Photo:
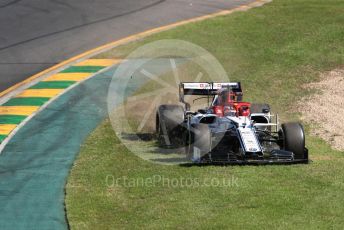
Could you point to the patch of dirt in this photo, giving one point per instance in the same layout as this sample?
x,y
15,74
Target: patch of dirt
x,y
325,110
323,158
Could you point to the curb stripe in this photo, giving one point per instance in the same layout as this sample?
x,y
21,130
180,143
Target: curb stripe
x,y
83,69
98,62
31,101
2,137
18,110
40,93
68,77
53,85
11,119
5,129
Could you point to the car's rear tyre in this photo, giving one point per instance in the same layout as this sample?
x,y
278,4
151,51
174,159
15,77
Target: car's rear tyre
x,y
199,138
169,120
189,139
294,140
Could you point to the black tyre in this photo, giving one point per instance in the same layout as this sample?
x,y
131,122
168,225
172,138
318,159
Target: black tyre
x,y
200,137
189,139
294,139
169,120
260,108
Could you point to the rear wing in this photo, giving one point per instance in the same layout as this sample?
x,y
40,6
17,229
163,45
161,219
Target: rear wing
x,y
206,88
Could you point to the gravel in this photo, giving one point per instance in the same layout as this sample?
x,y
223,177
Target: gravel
x,y
325,110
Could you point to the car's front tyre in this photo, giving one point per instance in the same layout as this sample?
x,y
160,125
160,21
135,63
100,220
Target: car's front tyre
x,y
294,140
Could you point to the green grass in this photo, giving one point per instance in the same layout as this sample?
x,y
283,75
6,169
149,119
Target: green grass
x,y
273,51
299,196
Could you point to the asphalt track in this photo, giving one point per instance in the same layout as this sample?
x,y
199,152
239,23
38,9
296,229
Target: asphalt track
x,y
36,34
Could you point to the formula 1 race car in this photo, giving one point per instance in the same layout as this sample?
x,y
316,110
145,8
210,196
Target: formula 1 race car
x,y
228,130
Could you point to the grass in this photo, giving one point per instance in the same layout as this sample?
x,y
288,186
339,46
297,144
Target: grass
x,y
299,196
273,51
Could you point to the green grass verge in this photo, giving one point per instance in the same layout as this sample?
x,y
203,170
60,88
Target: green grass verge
x,y
299,196
273,51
